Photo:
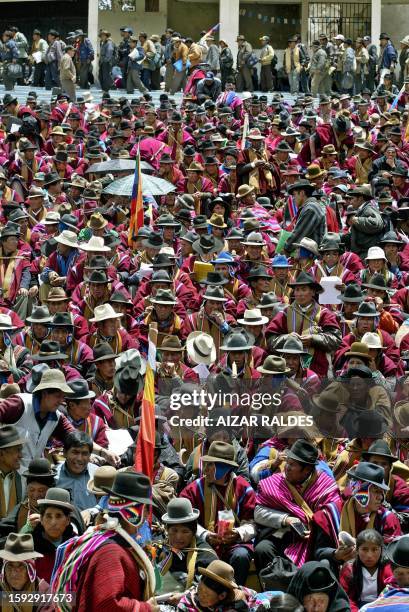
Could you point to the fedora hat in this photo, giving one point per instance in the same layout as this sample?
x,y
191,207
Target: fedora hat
x,y
244,190
369,423
8,389
40,315
39,468
68,238
401,413
220,572
304,278
179,511
215,293
62,319
377,281
153,241
171,344
254,239
98,262
9,436
104,476
372,340
104,312
49,351
366,309
79,390
398,550
237,340
10,229
274,365
195,167
221,452
119,298
78,181
217,221
380,448
161,276
369,472
292,346
329,244
303,452
255,134
52,379
328,150
50,179
391,238
215,278
280,261
309,245
130,486
103,351
352,294
128,380
207,244
95,244
57,294
235,234
35,376
52,218
167,221
19,547
164,296
201,348
302,185
326,401
359,349
97,221
253,317
6,323
57,497
314,171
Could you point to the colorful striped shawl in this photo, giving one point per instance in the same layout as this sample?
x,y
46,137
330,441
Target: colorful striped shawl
x,y
274,493
392,599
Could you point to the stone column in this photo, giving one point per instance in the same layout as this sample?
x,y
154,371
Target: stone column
x,y
376,7
304,21
93,29
229,23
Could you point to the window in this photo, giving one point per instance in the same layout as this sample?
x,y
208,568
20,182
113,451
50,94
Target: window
x,y
151,6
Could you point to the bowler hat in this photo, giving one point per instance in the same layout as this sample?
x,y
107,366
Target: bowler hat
x,y
369,472
303,452
130,486
352,294
237,341
39,468
104,476
274,365
377,281
398,551
220,572
292,346
171,344
304,278
57,497
35,376
49,351
369,423
214,293
221,452
179,511
10,436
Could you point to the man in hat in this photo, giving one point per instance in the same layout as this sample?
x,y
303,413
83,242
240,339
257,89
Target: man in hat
x,y
243,78
104,361
292,64
166,276
360,165
38,330
11,445
106,60
171,364
60,261
53,57
292,498
161,311
57,301
330,263
28,163
311,216
337,133
316,326
176,137
266,58
239,349
222,489
387,57
235,289
85,54
107,330
367,225
68,73
62,330
14,266
17,357
254,168
78,404
302,379
318,68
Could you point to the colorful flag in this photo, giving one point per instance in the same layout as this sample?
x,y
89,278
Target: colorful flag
x,y
145,445
136,217
395,102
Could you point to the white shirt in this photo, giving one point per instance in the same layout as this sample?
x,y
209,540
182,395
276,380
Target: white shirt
x,y
7,482
369,586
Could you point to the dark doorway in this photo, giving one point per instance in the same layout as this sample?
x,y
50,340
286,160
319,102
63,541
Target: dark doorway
x,y
62,15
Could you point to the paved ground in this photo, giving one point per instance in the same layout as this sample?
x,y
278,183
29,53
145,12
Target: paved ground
x,y
22,91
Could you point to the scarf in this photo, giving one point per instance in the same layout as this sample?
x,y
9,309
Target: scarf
x,y
65,263
191,558
210,502
12,497
304,322
348,518
30,587
175,143
76,552
254,175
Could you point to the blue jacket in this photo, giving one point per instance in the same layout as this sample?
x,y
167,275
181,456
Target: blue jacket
x,y
9,51
85,50
388,56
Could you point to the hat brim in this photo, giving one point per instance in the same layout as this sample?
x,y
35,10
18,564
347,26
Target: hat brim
x,y
316,286
56,503
179,521
55,357
251,190
26,556
352,474
90,395
365,314
272,372
292,455
117,315
210,459
17,442
355,300
165,303
85,247
263,321
390,553
105,358
205,572
378,287
59,386
194,355
360,355
291,351
367,454
197,247
131,498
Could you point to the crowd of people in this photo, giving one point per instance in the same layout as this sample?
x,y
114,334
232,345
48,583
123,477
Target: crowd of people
x,y
268,271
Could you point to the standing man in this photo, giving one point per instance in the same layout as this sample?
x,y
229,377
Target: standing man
x,y
212,55
318,69
266,57
348,67
372,63
155,73
243,79
53,57
388,56
106,58
226,62
292,65
179,56
148,58
362,62
22,46
403,60
330,52
124,50
9,56
85,57
304,60
133,78
168,52
68,74
39,45
339,52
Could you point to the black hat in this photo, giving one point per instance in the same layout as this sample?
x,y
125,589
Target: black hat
x,y
36,374
398,551
306,279
119,298
301,185
153,241
259,272
128,380
215,278
62,319
39,468
49,351
377,281
40,314
369,424
131,486
162,260
98,262
79,390
369,472
352,294
366,309
51,178
9,99
237,340
97,277
360,371
103,351
380,448
303,452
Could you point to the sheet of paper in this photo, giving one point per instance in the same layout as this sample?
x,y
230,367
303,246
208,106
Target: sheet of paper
x,y
145,271
330,294
202,371
14,128
119,440
37,55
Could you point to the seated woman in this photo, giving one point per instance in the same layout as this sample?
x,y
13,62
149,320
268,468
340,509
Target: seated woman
x,y
365,577
18,573
216,591
377,263
53,529
183,552
316,587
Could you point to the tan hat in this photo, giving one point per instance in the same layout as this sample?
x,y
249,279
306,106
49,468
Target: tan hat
x,y
52,218
104,476
8,389
309,244
244,190
68,238
57,131
95,244
171,344
19,547
78,181
57,294
359,349
220,572
104,312
401,412
53,379
405,41
201,348
313,172
97,221
221,452
217,221
195,167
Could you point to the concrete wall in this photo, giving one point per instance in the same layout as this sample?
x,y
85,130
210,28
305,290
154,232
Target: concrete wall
x,y
152,23
395,21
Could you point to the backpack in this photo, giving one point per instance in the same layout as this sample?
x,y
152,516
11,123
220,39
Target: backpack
x,y
252,60
274,61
